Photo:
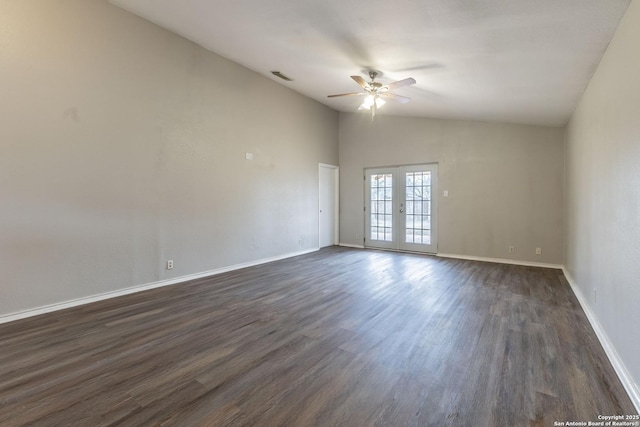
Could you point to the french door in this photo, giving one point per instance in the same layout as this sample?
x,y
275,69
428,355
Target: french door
x,y
401,208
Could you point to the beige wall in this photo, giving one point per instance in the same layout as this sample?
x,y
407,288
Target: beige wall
x,y
603,194
504,181
123,145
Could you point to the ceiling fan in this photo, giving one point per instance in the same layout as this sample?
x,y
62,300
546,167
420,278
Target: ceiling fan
x,y
376,92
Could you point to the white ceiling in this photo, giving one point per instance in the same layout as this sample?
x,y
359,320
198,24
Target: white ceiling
x,y
518,61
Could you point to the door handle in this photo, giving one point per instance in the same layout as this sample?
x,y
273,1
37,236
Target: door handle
x,y
401,210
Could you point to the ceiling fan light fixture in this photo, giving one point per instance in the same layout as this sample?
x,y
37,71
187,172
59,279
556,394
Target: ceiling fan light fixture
x,y
368,102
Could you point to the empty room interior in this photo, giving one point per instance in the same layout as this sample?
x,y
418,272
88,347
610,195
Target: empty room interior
x,y
327,213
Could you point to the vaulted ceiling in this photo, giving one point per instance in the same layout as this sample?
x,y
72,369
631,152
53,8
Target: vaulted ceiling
x,y
518,61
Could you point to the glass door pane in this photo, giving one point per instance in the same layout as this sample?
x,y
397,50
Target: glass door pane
x,y
381,207
418,208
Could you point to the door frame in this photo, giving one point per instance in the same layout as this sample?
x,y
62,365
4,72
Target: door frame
x,y
336,201
398,217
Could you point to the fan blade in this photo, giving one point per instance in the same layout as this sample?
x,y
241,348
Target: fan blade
x,y
401,83
394,97
363,84
347,94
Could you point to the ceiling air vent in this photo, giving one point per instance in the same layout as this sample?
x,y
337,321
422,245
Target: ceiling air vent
x,y
282,76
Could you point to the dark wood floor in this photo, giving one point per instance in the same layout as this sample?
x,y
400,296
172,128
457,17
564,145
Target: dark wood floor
x,y
340,337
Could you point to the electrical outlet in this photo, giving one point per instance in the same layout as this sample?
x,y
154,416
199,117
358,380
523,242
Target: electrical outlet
x,y
170,264
538,251
512,249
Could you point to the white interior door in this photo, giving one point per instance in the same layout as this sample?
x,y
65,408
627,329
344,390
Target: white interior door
x,y
328,205
401,208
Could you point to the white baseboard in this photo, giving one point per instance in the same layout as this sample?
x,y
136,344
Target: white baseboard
x,y
139,288
348,245
502,261
618,365
474,258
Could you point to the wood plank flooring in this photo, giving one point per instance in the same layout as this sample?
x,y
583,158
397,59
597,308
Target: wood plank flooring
x,y
341,337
